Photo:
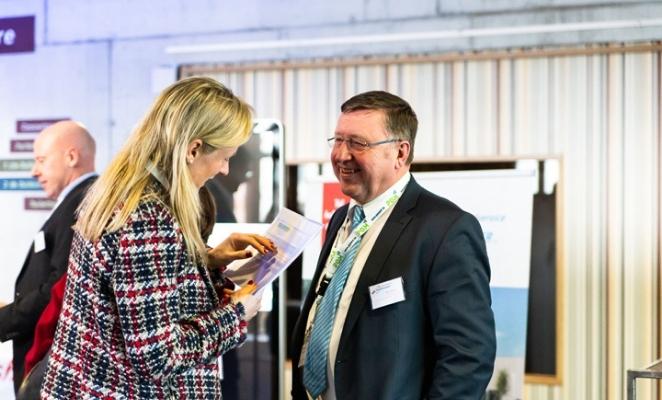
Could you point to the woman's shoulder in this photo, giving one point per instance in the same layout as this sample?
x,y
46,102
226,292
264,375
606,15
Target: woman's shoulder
x,y
151,209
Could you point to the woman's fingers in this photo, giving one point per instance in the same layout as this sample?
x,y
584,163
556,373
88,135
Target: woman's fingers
x,y
259,242
235,247
244,291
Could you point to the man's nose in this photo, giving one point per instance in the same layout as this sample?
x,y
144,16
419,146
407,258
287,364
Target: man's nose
x,y
341,152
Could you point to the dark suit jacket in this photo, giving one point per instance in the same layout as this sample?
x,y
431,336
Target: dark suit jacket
x,y
440,342
40,271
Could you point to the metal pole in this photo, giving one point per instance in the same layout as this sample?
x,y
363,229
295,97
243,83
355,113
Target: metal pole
x,y
282,281
632,386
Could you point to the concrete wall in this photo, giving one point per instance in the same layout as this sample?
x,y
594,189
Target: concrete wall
x,y
97,60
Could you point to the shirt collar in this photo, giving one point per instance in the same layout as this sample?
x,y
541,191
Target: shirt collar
x,y
373,206
71,187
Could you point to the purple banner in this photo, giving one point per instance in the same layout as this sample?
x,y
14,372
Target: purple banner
x,y
21,145
35,125
17,34
38,203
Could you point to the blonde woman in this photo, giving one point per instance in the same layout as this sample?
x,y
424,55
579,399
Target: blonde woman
x,y
144,314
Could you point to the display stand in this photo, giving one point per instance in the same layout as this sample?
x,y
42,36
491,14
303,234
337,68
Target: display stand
x,y
653,371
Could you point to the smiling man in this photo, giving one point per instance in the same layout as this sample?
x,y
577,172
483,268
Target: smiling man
x,y
400,302
64,166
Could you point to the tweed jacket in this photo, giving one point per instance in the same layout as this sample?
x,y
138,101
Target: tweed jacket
x,y
140,319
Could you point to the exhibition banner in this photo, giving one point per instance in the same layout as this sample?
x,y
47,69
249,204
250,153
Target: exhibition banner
x,y
17,34
502,201
21,145
35,125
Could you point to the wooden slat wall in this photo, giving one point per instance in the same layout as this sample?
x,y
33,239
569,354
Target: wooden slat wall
x,y
598,109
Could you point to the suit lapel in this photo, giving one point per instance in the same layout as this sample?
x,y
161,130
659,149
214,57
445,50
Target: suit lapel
x,y
380,252
74,194
331,233
64,204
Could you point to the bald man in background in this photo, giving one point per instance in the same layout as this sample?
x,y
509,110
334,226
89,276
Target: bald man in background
x,y
64,166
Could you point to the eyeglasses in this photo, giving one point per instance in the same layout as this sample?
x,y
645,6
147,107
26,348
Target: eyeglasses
x,y
356,145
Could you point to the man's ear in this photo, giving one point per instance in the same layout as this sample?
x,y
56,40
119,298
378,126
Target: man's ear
x,y
72,157
403,153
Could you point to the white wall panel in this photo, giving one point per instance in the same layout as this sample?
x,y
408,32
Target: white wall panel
x,y
268,99
369,77
442,107
481,110
417,85
596,228
505,106
458,111
638,189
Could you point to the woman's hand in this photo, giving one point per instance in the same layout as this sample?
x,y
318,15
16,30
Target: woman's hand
x,y
235,248
250,302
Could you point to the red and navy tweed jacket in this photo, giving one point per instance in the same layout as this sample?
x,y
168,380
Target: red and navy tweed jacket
x,y
140,319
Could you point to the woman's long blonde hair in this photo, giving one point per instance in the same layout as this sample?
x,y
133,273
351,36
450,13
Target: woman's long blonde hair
x,y
193,108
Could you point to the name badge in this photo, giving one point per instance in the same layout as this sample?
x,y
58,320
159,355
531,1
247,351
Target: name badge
x,y
386,293
39,242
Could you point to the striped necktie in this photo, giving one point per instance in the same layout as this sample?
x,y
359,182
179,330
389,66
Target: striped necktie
x,y
317,355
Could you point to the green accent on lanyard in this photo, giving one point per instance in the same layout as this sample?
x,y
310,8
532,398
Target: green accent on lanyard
x,y
336,256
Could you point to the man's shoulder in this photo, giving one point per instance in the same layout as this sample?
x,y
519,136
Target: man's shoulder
x,y
431,208
75,196
79,191
65,213
427,200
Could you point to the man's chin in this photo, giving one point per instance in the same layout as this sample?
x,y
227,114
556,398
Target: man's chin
x,y
350,190
50,194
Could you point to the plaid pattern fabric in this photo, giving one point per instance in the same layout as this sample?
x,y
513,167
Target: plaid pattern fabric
x,y
139,319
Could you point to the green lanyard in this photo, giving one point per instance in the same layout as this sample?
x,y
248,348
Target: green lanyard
x,y
338,252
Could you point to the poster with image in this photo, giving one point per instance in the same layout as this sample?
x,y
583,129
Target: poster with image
x,y
502,201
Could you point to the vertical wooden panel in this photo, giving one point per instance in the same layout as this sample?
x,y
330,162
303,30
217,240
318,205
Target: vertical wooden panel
x,y
458,109
596,159
335,100
638,219
522,106
481,133
370,77
268,101
417,86
349,82
505,107
392,77
442,109
289,110
615,272
570,130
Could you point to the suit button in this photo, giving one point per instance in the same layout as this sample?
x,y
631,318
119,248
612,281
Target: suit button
x,y
18,294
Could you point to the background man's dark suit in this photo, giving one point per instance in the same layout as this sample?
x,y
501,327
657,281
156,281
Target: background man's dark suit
x,y
38,274
439,342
